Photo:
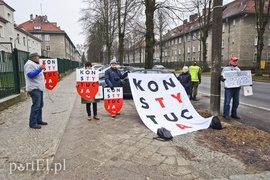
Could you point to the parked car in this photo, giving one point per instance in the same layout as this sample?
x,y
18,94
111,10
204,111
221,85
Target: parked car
x,y
125,81
157,66
97,66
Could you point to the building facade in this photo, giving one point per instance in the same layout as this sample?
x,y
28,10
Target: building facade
x,y
239,38
55,42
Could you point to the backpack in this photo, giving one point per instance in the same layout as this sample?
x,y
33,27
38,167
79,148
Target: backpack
x,y
215,123
163,134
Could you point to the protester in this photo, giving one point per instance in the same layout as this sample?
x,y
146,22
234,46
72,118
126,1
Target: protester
x,y
35,85
185,79
113,77
88,65
195,73
231,93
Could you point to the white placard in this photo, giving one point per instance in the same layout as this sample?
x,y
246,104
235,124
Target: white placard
x,y
87,75
113,94
247,90
99,94
51,64
237,78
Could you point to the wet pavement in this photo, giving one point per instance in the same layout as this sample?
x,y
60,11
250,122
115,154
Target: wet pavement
x,y
70,147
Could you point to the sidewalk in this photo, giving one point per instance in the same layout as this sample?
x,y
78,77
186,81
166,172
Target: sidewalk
x,y
71,147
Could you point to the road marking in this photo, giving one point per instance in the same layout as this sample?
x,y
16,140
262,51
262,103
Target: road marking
x,y
245,104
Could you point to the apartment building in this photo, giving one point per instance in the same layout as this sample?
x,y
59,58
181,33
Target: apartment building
x,y
55,42
239,38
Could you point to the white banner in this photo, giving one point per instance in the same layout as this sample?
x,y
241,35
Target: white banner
x,y
161,101
237,78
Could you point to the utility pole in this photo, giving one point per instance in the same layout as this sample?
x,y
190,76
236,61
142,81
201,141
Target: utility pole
x,y
216,58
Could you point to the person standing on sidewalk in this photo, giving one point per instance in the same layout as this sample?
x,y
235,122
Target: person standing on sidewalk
x,y
35,85
88,65
231,93
113,77
185,79
195,73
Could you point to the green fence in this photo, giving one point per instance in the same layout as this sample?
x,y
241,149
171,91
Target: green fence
x,y
12,71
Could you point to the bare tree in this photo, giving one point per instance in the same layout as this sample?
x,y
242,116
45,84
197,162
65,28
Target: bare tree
x,y
170,7
262,9
103,12
125,12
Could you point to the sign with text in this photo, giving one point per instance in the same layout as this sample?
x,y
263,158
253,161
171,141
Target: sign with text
x,y
237,78
50,72
113,100
87,83
161,101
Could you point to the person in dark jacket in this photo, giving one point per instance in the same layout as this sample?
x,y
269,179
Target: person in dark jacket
x,y
185,79
113,77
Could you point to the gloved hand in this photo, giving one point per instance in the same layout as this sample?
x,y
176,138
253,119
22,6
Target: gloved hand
x,y
112,88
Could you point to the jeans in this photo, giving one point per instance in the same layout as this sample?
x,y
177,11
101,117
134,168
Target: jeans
x,y
88,108
36,108
231,93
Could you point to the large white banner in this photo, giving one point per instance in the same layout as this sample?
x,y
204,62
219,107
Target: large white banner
x,y
161,101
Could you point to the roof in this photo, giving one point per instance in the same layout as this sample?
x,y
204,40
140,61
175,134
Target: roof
x,y
3,2
40,24
238,7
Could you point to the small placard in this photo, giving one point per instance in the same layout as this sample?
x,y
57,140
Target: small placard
x,y
247,90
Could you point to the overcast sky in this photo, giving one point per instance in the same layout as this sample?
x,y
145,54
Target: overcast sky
x,y
65,12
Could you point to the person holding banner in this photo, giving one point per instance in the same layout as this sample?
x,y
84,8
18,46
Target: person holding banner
x,y
231,92
113,77
88,65
35,85
185,79
195,73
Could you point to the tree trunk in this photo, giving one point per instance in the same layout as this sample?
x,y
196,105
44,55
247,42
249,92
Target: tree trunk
x,y
149,37
216,58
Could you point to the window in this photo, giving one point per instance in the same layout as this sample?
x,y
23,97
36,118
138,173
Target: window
x,y
269,41
179,51
193,48
24,41
18,38
180,40
256,41
255,57
39,36
199,48
194,59
1,31
222,43
37,27
188,50
223,27
233,22
188,59
268,57
11,39
47,37
48,48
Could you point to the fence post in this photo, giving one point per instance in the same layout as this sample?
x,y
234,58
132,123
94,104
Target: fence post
x,y
15,59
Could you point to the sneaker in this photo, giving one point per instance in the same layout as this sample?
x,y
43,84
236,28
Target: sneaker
x,y
42,123
235,116
113,116
35,127
227,117
89,118
96,117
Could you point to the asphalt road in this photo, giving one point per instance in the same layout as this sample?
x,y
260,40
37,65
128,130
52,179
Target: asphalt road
x,y
254,110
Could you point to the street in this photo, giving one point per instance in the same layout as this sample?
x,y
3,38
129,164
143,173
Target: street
x,y
256,107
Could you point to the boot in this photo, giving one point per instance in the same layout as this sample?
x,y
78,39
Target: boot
x,y
190,97
195,99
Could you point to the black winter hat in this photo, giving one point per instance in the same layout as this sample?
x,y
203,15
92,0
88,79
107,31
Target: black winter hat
x,y
87,64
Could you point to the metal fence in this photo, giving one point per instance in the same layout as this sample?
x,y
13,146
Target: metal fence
x,y
12,71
